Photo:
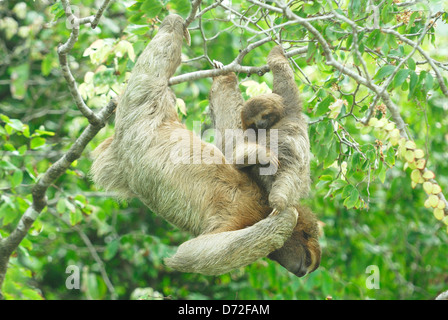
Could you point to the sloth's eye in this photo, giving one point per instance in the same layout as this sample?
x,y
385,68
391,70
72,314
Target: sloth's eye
x,y
266,116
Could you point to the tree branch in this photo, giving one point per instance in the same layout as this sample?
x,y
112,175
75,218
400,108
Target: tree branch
x,y
97,121
99,14
194,8
9,244
234,66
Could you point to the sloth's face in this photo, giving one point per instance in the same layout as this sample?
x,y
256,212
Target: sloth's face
x,y
262,120
262,112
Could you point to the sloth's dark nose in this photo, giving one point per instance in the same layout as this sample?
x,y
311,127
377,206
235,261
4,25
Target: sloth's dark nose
x,y
302,270
262,124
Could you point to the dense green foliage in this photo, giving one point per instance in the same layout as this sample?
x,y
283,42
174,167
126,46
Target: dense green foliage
x,y
372,212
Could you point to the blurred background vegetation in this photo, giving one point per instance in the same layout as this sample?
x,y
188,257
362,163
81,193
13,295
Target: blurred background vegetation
x,y
119,247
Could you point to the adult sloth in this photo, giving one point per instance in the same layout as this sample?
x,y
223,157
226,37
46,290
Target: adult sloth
x,y
216,202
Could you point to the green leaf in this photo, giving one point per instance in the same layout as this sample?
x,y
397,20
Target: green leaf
x,y
92,285
332,153
405,86
384,71
400,77
27,244
137,18
322,107
4,118
338,184
75,217
321,184
8,147
412,83
26,131
17,178
111,249
325,146
81,199
60,206
37,142
428,82
107,76
328,131
310,54
8,214
31,294
57,10
414,15
390,157
387,14
14,123
391,41
152,8
385,48
312,8
422,77
331,31
347,191
349,41
47,64
352,198
38,132
6,165
373,38
182,7
135,7
411,64
326,177
381,171
354,8
137,29
9,130
355,160
22,150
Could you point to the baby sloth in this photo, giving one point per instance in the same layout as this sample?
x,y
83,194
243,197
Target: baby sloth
x,y
286,135
301,253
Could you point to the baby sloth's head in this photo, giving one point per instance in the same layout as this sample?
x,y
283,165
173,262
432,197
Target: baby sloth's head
x,y
262,112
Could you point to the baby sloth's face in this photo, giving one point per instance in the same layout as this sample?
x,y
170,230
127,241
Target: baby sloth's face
x,y
262,120
262,112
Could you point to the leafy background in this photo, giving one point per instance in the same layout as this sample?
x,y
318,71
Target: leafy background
x,y
369,211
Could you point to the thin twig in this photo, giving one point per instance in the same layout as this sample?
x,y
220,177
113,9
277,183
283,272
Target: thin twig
x,y
71,82
431,62
99,14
